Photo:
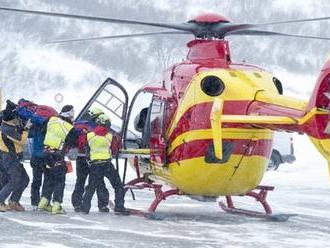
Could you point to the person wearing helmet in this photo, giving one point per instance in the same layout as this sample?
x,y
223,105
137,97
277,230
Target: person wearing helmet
x,y
94,112
99,146
60,135
82,167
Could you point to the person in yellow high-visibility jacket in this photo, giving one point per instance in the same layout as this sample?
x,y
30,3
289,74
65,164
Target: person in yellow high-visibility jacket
x,y
99,146
82,166
60,134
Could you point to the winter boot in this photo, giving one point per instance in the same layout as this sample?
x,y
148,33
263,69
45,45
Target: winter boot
x,y
77,209
12,205
57,208
43,204
3,207
104,209
121,211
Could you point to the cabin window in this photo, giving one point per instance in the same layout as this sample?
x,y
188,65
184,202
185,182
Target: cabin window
x,y
156,116
278,85
212,86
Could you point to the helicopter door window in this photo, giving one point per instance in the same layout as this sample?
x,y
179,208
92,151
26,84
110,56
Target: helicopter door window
x,y
156,116
112,106
157,141
138,119
112,100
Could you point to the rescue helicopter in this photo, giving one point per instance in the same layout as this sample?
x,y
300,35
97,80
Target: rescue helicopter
x,y
207,128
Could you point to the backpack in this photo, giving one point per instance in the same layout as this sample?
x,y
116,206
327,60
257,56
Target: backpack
x,y
45,111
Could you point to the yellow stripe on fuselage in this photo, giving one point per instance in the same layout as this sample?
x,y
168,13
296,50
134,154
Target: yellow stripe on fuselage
x,y
284,101
243,86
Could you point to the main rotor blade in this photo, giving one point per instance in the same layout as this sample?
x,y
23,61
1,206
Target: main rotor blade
x,y
269,33
325,18
119,36
184,27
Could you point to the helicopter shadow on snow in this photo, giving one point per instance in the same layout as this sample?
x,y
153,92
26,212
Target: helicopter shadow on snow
x,y
214,217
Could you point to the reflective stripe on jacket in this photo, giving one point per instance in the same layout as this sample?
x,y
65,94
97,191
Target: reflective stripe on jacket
x,y
57,130
100,146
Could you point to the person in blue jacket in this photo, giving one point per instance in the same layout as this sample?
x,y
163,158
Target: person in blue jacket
x,y
38,115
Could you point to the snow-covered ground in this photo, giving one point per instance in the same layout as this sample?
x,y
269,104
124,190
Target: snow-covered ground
x,y
302,188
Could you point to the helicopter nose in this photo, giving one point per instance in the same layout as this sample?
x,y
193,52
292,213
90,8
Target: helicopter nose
x,y
215,119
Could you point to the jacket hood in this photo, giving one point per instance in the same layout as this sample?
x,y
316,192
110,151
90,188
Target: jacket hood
x,y
100,130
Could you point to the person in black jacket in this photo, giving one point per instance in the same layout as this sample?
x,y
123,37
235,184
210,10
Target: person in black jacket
x,y
13,138
3,172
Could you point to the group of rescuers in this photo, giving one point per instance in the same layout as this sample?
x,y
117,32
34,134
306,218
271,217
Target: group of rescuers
x,y
53,135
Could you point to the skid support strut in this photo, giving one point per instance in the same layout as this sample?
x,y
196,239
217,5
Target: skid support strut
x,y
160,195
259,194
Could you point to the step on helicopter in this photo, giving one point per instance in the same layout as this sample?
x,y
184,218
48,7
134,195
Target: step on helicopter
x,y
207,129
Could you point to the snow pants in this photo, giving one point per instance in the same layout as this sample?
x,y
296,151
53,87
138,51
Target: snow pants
x,y
38,165
3,174
18,179
54,173
99,170
82,172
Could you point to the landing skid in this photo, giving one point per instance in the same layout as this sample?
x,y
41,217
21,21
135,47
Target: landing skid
x,y
260,197
259,194
160,195
136,212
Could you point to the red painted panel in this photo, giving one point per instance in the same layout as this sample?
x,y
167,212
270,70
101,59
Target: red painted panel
x,y
315,127
205,52
318,98
198,117
209,18
198,148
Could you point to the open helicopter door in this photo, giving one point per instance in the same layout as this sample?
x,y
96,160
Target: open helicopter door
x,y
157,132
112,98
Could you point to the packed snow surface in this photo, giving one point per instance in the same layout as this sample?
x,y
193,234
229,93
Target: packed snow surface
x,y
302,188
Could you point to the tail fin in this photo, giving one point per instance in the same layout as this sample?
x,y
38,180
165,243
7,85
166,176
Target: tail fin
x,y
318,127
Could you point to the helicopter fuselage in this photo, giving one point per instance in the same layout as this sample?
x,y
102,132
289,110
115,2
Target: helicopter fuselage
x,y
190,163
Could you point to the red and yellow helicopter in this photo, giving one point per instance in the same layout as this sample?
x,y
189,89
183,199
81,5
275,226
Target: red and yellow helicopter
x,y
207,130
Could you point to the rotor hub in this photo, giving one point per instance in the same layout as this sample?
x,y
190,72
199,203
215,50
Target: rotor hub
x,y
209,18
